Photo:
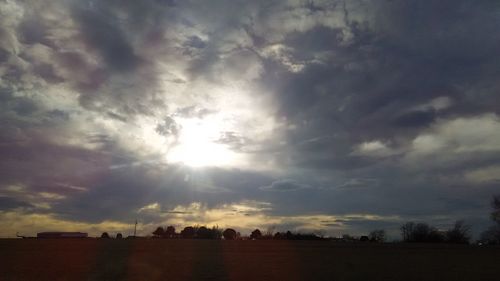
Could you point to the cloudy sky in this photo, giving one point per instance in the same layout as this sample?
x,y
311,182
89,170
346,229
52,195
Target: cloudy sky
x,y
330,116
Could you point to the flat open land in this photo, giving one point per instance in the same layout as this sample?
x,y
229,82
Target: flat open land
x,y
155,259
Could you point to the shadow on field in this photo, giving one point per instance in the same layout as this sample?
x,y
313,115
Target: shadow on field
x,y
186,259
208,262
262,260
111,259
195,259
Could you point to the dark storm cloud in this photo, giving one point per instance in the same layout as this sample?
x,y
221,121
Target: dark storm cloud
x,y
284,185
7,203
46,71
367,89
359,183
122,192
32,31
415,119
104,33
102,51
195,42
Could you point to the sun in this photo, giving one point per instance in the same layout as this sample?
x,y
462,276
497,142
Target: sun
x,y
198,146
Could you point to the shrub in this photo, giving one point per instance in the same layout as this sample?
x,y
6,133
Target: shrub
x,y
229,234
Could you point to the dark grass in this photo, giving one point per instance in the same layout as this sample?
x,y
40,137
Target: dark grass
x,y
155,259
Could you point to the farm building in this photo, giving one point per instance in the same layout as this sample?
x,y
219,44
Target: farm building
x,y
61,235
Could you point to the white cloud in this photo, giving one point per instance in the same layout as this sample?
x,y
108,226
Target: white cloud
x,y
484,175
374,148
460,135
51,196
153,207
453,142
439,103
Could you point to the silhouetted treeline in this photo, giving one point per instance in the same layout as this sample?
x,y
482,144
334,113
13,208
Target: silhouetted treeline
x,y
202,232
296,236
422,232
189,232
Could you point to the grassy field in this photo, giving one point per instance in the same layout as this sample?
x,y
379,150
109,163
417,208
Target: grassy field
x,y
141,259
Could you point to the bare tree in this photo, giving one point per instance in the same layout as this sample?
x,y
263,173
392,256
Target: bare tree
x,y
492,234
495,215
407,231
460,233
421,232
377,235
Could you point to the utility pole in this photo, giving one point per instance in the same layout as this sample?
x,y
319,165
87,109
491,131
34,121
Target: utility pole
x,y
135,228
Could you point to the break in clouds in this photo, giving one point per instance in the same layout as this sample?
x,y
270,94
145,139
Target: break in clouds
x,y
334,116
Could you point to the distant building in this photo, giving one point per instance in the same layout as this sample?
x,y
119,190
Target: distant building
x,y
61,235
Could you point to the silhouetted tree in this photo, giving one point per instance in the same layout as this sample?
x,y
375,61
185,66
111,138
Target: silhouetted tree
x,y
170,232
104,235
460,233
407,231
425,233
269,233
256,234
188,232
159,232
229,234
435,236
492,234
203,233
215,233
421,232
377,235
364,238
296,236
119,236
348,238
495,215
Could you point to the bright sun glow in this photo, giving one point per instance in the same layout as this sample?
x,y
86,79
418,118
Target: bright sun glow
x,y
197,145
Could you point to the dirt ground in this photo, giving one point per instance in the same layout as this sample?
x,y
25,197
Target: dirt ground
x,y
156,259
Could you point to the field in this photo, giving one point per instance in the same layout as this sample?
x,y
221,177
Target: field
x,y
148,259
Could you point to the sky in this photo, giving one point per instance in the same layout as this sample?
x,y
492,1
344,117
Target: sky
x,y
337,117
